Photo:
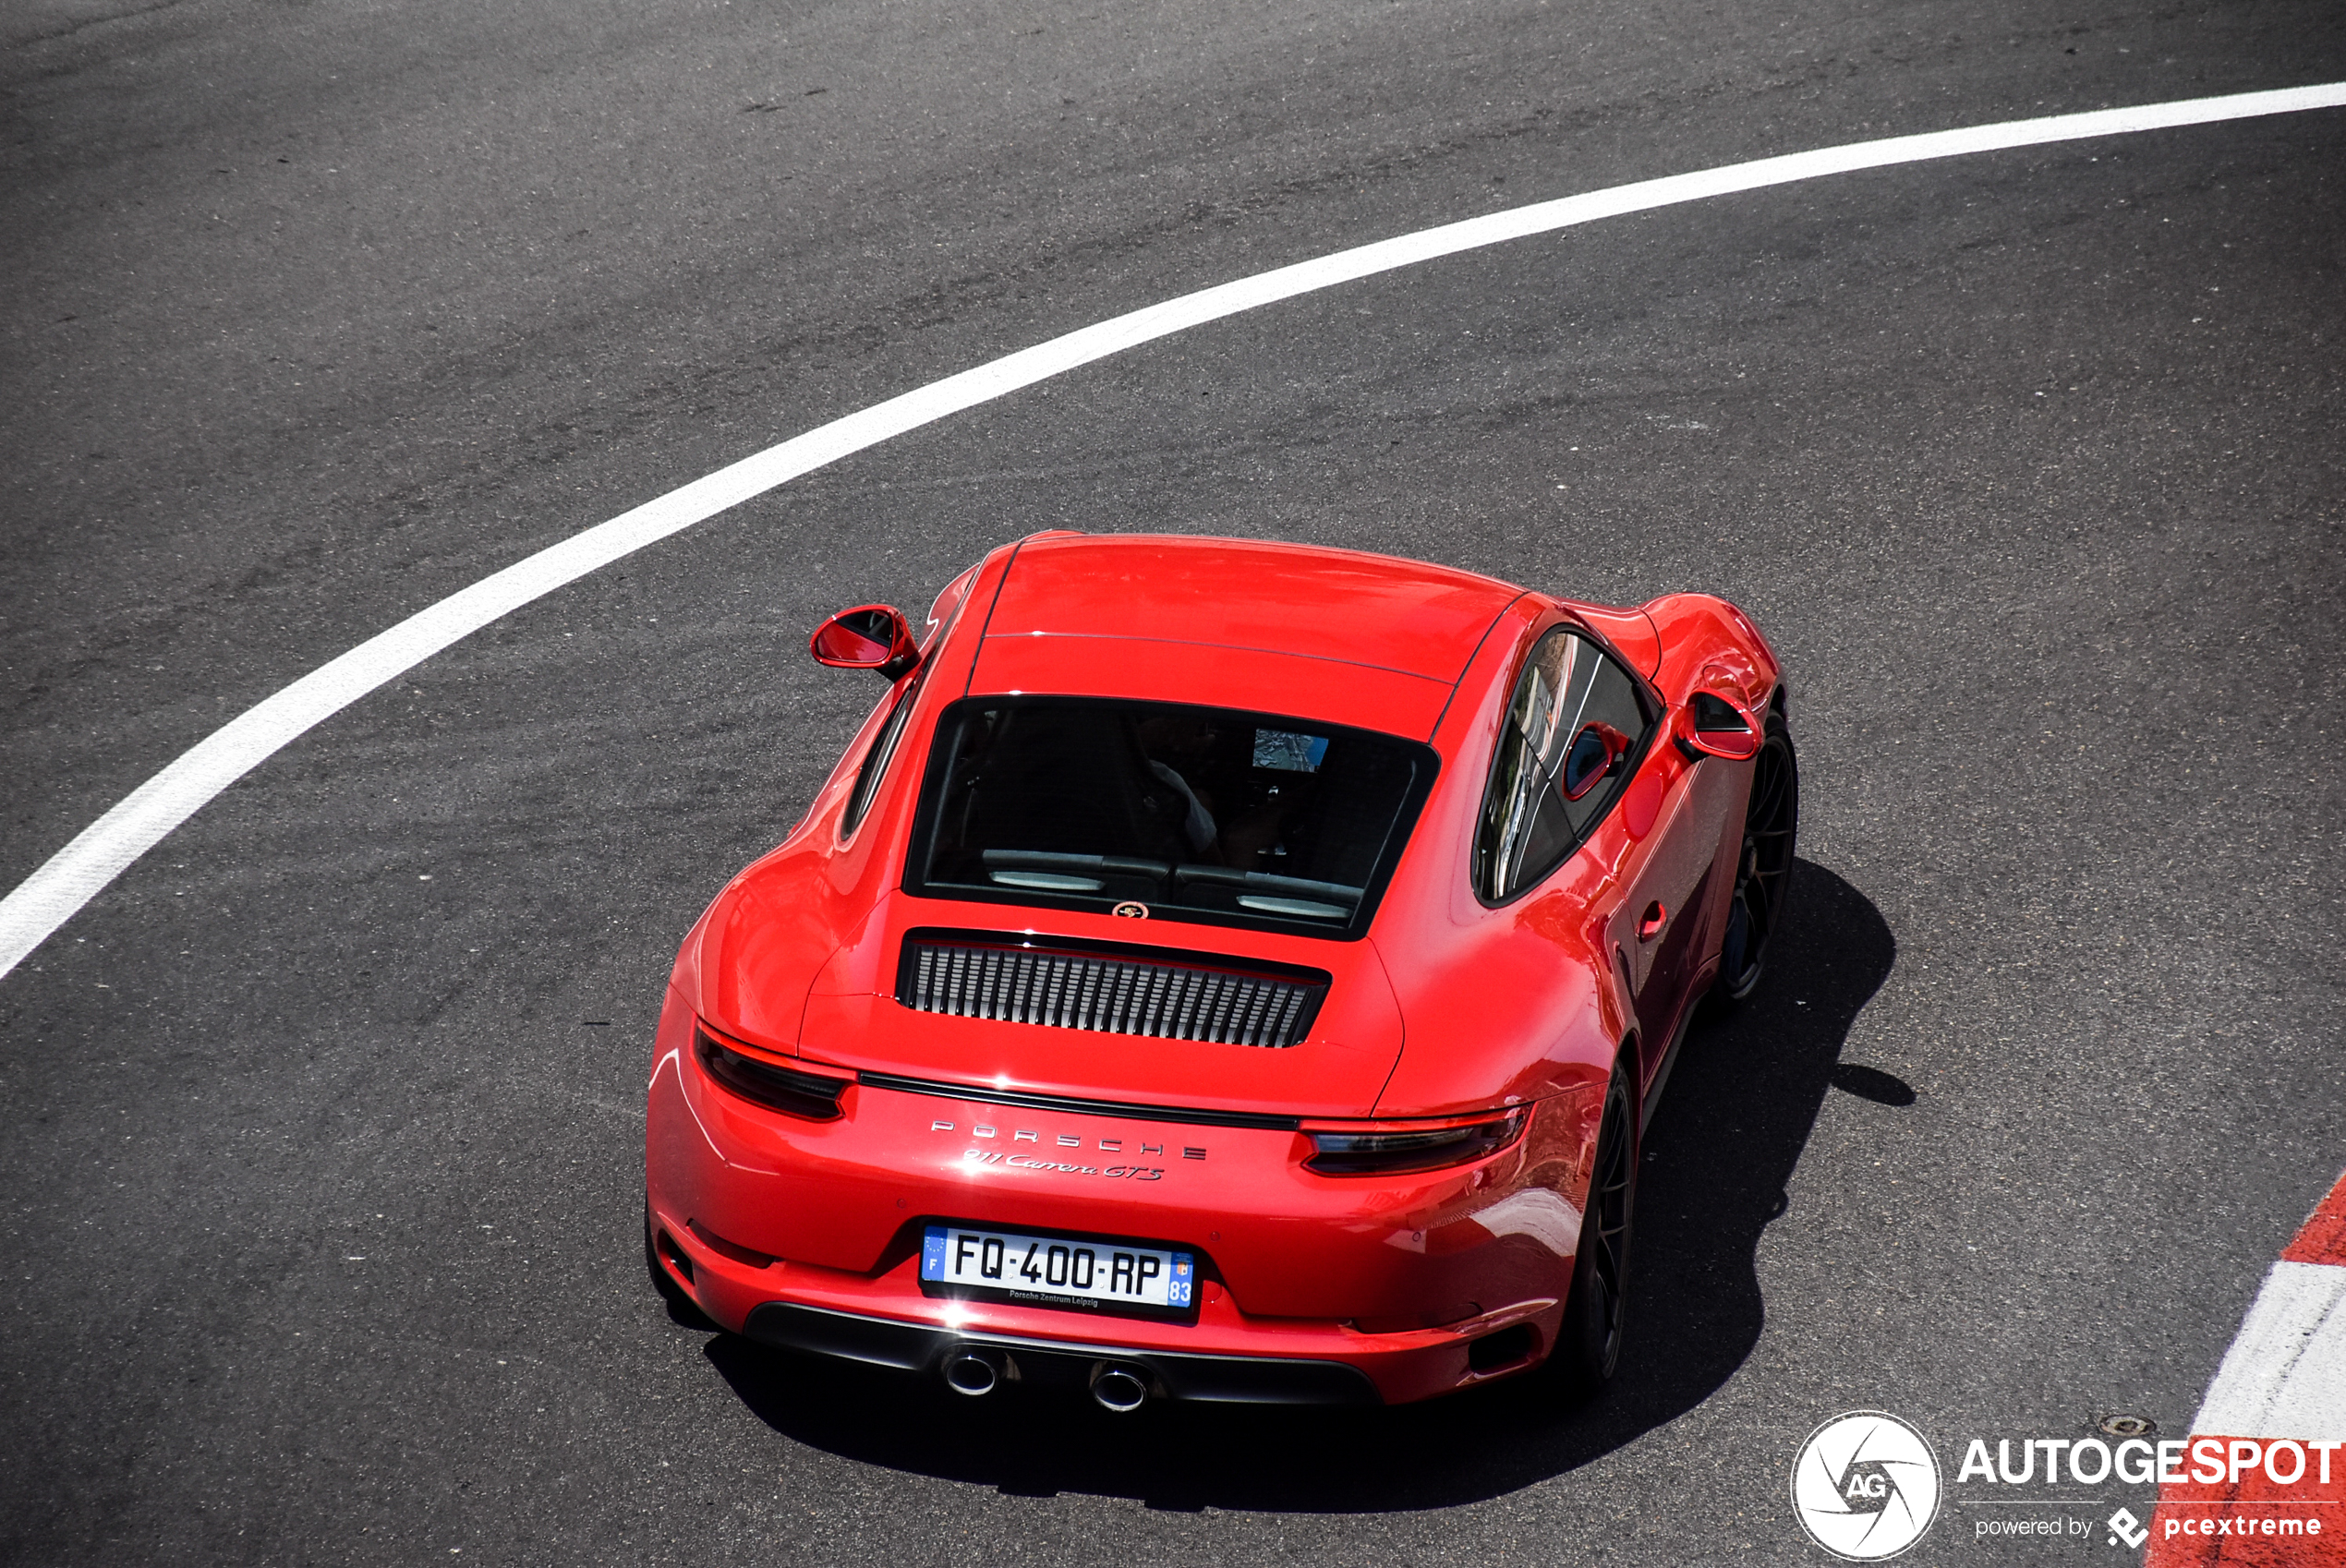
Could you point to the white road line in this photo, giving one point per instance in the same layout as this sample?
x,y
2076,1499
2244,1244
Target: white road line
x,y
75,875
2285,1374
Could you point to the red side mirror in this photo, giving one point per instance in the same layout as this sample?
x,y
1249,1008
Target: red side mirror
x,y
870,636
1710,724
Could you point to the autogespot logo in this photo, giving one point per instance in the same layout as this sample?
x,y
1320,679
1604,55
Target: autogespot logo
x,y
1865,1486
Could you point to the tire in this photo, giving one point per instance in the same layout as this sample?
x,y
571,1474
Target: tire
x,y
1596,1313
1763,868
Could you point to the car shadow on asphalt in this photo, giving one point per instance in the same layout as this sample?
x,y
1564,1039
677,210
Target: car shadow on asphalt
x,y
1740,1105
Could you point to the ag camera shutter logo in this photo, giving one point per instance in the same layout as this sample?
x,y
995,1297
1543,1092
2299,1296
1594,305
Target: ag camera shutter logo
x,y
1865,1486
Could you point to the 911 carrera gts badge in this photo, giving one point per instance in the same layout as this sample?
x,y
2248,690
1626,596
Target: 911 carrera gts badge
x,y
1029,1162
1131,908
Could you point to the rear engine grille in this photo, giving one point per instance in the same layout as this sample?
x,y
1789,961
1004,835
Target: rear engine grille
x,y
1108,987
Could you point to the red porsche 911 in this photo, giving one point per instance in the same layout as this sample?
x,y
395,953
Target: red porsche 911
x,y
1225,972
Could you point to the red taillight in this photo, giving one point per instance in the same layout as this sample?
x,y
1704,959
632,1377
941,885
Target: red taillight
x,y
1415,1146
807,1094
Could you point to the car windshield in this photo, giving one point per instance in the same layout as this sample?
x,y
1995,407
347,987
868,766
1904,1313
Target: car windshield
x,y
1188,813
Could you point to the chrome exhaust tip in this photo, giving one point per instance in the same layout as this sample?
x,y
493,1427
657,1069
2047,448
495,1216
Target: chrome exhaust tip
x,y
976,1372
1119,1386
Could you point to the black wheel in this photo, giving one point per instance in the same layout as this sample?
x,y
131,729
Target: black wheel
x,y
1596,1312
1763,873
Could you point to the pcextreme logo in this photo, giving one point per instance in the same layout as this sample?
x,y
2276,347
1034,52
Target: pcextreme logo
x,y
1865,1486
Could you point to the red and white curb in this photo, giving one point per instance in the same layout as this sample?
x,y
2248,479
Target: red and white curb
x,y
2278,1405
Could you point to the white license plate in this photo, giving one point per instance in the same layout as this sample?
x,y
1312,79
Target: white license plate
x,y
1058,1271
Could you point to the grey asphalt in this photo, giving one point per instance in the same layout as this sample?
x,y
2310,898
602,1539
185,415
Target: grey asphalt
x,y
320,1189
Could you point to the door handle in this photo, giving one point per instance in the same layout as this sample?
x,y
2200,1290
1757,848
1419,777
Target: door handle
x,y
1654,919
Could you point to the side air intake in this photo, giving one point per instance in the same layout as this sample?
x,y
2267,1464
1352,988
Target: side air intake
x,y
1108,987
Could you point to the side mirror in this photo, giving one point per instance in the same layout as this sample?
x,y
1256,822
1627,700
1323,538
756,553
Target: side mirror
x,y
1594,757
870,636
1708,725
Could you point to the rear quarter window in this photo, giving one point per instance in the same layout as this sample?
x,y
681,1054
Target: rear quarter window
x,y
1569,692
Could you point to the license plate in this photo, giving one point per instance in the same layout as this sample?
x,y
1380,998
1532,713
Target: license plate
x,y
1057,1270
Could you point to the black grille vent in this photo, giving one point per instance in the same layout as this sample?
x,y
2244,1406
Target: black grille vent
x,y
1111,989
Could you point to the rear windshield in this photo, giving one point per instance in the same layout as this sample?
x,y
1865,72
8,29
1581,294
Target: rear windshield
x,y
1195,813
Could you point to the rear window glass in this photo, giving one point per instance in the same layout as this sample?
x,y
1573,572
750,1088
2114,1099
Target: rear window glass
x,y
1198,814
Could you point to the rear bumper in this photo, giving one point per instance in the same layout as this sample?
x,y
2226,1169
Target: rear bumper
x,y
1312,1289
1069,1364
1225,1357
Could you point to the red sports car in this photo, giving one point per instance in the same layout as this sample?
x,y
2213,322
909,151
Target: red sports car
x,y
1222,970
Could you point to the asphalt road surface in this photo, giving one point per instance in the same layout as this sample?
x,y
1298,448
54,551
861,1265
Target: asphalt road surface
x,y
320,1190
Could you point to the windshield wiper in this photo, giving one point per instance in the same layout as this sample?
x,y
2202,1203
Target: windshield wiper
x,y
1264,882
1047,870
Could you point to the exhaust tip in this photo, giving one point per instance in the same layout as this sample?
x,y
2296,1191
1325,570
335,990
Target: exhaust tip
x,y
976,1373
1119,1386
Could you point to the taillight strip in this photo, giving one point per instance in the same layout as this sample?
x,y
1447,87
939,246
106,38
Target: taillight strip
x,y
983,1095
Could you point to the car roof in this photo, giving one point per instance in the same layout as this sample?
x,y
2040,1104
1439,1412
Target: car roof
x,y
1340,604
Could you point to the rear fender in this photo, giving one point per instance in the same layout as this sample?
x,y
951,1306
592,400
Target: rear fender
x,y
1707,641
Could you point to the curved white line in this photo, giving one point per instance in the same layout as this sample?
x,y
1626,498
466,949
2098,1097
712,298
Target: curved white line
x,y
74,875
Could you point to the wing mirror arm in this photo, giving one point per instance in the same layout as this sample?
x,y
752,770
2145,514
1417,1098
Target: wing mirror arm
x,y
870,636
